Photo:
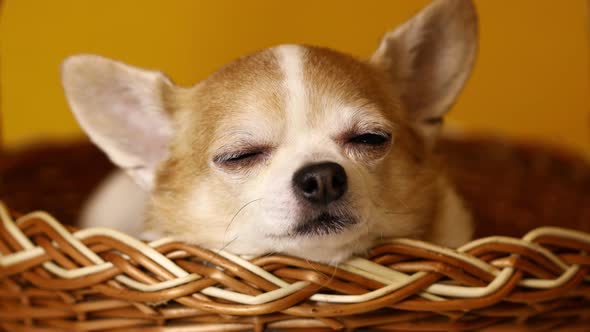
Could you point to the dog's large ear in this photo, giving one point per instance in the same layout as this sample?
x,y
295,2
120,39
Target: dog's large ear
x,y
122,109
430,57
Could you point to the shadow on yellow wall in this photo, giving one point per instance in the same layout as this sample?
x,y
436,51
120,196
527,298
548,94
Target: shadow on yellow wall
x,y
531,79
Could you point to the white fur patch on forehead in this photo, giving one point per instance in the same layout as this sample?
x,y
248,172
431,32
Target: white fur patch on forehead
x,y
291,62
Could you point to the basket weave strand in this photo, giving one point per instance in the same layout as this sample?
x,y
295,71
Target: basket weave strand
x,y
55,278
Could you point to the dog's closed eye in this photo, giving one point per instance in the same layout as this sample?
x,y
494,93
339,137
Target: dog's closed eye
x,y
240,158
370,139
367,145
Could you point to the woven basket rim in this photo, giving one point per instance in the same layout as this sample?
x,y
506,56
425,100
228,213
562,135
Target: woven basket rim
x,y
393,280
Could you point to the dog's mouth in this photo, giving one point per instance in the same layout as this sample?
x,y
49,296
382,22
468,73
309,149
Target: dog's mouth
x,y
323,224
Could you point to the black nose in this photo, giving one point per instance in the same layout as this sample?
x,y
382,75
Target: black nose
x,y
320,183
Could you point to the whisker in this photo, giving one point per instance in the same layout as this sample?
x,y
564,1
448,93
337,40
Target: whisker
x,y
234,217
227,244
270,253
332,276
320,272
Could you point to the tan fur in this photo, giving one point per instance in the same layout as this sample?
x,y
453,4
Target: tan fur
x,y
300,105
409,189
207,119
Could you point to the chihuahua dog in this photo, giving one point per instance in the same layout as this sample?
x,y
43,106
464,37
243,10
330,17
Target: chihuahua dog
x,y
294,149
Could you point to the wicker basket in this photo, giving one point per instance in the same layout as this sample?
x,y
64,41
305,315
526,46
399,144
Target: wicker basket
x,y
56,278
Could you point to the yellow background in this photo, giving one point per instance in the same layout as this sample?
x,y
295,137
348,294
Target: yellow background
x,y
531,79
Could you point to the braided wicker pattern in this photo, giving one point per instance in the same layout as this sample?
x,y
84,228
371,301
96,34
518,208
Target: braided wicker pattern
x,y
56,279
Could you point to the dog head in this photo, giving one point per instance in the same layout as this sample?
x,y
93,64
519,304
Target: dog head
x,y
293,149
